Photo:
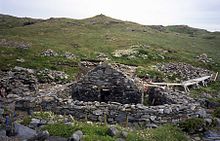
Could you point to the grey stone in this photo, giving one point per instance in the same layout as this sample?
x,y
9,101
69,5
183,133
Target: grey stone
x,y
208,121
24,131
41,136
97,112
112,131
79,133
2,132
121,117
124,134
34,122
167,110
202,113
75,137
152,118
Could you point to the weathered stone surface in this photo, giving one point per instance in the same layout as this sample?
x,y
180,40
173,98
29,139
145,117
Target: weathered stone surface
x,y
106,84
24,132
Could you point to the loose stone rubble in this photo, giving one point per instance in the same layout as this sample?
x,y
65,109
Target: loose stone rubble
x,y
183,70
24,82
18,81
48,76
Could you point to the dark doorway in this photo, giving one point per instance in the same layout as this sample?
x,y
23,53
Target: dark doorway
x,y
104,94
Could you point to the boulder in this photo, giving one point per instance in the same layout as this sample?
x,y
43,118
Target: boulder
x,y
24,131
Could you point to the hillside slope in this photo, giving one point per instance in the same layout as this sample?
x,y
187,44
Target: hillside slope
x,y
90,37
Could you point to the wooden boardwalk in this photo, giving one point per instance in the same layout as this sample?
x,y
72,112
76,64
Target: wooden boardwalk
x,y
185,84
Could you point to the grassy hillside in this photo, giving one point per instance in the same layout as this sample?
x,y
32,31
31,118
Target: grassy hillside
x,y
88,37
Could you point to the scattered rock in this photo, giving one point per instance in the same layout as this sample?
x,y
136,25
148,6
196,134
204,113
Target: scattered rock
x,y
126,52
49,52
204,58
69,55
102,57
49,76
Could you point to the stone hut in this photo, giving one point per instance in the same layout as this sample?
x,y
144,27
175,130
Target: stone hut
x,y
104,84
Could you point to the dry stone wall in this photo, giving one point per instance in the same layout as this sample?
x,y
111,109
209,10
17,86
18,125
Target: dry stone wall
x,y
113,112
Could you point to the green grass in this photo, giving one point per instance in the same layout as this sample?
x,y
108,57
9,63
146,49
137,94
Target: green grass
x,y
212,89
192,125
95,132
216,112
86,38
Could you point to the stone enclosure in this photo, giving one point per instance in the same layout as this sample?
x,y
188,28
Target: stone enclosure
x,y
104,94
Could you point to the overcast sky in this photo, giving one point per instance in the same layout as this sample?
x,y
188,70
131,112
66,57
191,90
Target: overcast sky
x,y
197,13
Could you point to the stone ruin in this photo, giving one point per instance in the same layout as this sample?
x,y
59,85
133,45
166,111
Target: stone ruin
x,y
106,93
103,84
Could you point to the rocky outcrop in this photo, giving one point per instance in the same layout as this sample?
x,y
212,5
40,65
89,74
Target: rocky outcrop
x,y
104,83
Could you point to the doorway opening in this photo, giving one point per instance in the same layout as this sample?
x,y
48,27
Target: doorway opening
x,y
104,94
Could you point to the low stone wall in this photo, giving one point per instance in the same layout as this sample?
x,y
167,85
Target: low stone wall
x,y
136,114
113,112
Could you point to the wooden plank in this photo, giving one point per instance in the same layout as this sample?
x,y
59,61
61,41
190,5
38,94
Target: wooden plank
x,y
184,84
216,76
167,84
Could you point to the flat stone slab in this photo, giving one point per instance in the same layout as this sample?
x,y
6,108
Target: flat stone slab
x,y
24,131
